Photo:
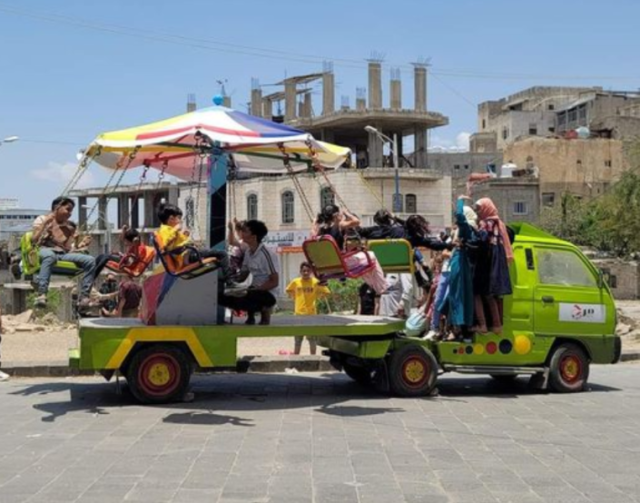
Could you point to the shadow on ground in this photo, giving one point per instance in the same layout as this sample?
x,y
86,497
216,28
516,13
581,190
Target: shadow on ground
x,y
250,392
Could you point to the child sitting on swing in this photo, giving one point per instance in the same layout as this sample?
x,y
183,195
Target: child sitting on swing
x,y
172,237
335,222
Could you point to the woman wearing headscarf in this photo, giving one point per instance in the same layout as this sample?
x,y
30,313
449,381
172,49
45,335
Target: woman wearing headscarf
x,y
491,279
457,304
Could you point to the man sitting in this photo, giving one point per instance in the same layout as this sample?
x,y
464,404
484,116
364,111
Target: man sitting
x,y
55,237
262,263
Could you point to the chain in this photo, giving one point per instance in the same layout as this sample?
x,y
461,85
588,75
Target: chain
x,y
161,175
82,166
196,208
317,166
286,159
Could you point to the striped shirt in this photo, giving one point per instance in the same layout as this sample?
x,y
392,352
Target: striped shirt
x,y
261,263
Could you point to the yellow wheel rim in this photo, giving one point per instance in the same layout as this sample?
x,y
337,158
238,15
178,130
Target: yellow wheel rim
x,y
159,374
571,369
414,371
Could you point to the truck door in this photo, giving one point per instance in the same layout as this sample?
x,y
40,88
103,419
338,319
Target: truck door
x,y
567,298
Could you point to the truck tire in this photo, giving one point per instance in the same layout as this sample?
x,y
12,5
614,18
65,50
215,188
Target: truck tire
x,y
159,373
360,374
568,368
413,371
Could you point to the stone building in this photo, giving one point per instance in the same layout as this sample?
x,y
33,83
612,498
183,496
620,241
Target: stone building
x,y
517,198
585,168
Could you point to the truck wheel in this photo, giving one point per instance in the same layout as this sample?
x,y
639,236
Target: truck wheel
x,y
159,374
413,371
569,369
361,375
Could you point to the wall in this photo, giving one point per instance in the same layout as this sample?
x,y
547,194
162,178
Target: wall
x,y
581,167
623,277
506,193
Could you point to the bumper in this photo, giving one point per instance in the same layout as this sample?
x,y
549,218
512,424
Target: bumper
x,y
617,349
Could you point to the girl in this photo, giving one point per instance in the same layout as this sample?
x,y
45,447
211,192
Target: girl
x,y
334,222
491,279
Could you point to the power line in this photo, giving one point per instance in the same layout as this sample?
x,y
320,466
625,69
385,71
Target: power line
x,y
227,47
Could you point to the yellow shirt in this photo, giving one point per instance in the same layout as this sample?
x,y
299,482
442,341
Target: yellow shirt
x,y
305,293
172,238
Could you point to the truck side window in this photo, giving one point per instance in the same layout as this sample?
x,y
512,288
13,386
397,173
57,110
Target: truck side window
x,y
563,267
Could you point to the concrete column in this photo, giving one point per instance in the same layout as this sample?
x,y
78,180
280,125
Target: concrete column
x,y
289,100
420,149
226,101
256,102
375,150
174,194
400,150
82,212
148,210
135,212
361,104
308,106
124,215
420,80
375,85
267,110
102,211
328,93
396,94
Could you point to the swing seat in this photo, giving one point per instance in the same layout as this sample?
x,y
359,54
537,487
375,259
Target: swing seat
x,y
394,255
328,262
174,267
30,257
135,262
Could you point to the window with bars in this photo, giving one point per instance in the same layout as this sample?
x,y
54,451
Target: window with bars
x,y
520,208
411,203
326,197
252,207
288,207
190,213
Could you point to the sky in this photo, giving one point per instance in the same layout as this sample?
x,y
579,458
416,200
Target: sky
x,y
71,69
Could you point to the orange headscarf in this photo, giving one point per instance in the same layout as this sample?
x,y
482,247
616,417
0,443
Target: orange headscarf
x,y
488,211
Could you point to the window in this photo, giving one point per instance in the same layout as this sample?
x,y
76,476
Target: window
x,y
561,267
466,166
252,207
456,166
189,217
562,119
411,203
288,208
326,197
397,203
520,208
573,115
505,133
533,129
548,198
552,129
551,106
607,164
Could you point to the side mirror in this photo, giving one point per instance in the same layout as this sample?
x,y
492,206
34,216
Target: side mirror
x,y
601,279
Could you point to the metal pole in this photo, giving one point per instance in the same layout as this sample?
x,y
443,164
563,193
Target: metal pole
x,y
107,240
397,206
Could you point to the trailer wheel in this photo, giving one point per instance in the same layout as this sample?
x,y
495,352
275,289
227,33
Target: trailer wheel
x,y
159,374
360,374
413,371
569,368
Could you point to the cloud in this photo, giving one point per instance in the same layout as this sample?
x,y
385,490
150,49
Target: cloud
x,y
61,173
459,144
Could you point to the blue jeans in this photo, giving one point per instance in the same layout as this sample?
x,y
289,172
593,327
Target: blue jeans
x,y
48,259
441,292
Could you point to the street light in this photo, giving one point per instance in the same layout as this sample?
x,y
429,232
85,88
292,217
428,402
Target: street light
x,y
10,139
105,219
397,202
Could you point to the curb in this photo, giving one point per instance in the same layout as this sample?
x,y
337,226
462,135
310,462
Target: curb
x,y
253,364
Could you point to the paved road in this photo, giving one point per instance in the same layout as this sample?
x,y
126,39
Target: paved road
x,y
311,438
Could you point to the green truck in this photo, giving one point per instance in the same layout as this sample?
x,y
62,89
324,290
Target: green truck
x,y
559,320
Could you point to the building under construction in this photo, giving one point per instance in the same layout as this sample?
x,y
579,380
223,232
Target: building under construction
x,y
345,125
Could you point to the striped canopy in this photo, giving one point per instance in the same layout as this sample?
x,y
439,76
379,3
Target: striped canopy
x,y
174,144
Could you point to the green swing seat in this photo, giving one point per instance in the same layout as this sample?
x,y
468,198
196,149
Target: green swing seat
x,y
394,255
30,255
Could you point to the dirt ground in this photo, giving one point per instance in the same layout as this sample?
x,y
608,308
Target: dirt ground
x,y
47,341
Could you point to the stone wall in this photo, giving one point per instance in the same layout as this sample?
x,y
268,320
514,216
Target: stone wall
x,y
517,200
623,277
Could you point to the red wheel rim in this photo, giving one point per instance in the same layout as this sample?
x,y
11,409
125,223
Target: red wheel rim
x,y
415,371
571,369
159,375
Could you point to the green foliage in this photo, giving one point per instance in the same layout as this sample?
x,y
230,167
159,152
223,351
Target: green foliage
x,y
54,301
343,296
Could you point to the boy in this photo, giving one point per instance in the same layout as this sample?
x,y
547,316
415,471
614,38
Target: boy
x,y
131,240
305,291
173,238
53,234
262,264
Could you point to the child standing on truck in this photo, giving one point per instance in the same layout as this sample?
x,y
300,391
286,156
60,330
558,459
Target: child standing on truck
x,y
305,291
491,278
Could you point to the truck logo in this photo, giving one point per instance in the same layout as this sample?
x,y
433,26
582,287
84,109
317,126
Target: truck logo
x,y
583,313
580,312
